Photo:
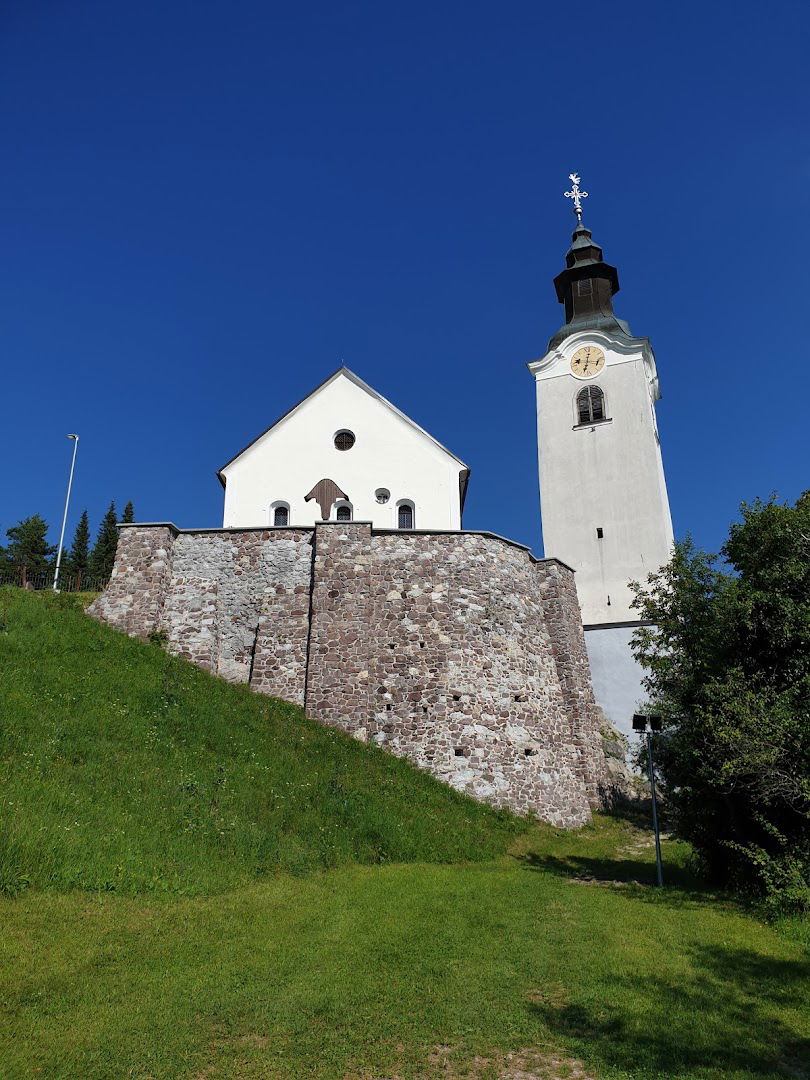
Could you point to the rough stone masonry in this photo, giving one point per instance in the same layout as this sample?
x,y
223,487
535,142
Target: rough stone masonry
x,y
458,650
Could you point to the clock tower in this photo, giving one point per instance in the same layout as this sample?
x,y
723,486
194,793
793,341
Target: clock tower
x,y
603,495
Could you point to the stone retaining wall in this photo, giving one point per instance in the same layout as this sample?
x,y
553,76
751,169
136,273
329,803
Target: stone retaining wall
x,y
459,651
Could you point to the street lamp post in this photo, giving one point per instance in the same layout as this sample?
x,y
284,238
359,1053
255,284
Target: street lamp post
x,y
64,516
640,724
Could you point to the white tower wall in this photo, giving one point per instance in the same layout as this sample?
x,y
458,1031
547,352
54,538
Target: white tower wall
x,y
607,475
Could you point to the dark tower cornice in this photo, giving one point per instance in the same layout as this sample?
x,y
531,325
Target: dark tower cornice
x,y
587,285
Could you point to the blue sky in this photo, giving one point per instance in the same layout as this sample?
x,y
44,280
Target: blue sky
x,y
206,206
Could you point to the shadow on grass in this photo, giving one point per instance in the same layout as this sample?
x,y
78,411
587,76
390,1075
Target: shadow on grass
x,y
681,885
722,1016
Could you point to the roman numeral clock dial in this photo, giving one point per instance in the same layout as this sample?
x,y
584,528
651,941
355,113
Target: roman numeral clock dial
x,y
587,361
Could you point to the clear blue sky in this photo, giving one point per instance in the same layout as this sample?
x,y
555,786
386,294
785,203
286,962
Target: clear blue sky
x,y
206,206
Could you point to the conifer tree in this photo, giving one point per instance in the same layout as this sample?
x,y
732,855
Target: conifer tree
x,y
78,557
129,513
102,556
29,551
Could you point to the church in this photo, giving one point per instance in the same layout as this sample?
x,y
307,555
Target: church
x,y
342,578
345,453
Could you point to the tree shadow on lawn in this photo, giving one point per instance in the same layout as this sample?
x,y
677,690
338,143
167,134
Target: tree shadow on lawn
x,y
720,1017
681,885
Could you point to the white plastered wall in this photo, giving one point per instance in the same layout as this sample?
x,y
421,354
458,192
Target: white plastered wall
x,y
616,675
606,476
286,462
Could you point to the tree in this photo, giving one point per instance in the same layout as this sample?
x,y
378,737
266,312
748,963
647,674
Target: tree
x,y
29,551
129,513
102,556
728,660
78,558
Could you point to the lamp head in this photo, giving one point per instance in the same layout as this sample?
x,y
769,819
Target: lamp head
x,y
76,437
639,722
656,723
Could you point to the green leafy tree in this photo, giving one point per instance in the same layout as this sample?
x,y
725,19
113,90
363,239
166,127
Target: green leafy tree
x,y
102,556
728,657
129,513
29,552
78,557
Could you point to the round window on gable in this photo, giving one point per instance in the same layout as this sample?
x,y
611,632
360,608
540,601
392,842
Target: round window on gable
x,y
344,440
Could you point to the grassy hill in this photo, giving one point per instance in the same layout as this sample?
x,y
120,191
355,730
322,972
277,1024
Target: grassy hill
x,y
201,885
125,769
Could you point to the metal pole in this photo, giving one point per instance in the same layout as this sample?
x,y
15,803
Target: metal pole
x,y
658,865
64,516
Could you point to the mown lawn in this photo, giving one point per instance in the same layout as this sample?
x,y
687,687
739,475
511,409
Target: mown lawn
x,y
408,971
537,953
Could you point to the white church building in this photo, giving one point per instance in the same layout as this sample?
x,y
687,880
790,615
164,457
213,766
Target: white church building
x,y
345,453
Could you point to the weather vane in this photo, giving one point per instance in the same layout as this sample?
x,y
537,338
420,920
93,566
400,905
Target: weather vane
x,y
576,195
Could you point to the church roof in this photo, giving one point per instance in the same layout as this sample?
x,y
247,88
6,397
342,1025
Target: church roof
x,y
350,375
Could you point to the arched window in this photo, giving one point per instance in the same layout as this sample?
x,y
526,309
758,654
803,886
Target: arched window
x,y
280,513
344,512
590,405
405,515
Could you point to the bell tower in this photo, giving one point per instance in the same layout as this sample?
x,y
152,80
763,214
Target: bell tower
x,y
603,496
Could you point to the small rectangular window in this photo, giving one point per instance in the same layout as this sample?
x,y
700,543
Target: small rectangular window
x,y
599,533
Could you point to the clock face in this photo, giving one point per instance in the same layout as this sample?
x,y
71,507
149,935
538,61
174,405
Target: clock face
x,y
587,361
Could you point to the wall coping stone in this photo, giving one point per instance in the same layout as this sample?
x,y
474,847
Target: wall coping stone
x,y
617,625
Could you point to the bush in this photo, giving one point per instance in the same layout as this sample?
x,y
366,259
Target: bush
x,y
728,657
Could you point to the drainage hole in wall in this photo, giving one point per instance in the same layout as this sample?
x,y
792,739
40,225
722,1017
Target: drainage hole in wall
x,y
388,708
528,752
459,751
456,697
421,644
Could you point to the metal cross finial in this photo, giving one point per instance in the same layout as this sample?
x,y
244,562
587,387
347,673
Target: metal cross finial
x,y
576,195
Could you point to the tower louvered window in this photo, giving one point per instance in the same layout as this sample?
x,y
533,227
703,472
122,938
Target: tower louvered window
x,y
344,513
590,405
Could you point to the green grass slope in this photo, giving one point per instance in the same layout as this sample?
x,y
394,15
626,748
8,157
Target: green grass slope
x,y
127,770
150,808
